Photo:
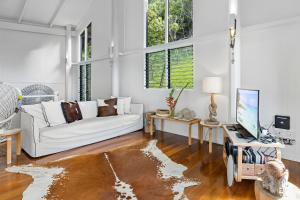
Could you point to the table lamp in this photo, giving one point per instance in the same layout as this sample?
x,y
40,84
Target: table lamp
x,y
212,86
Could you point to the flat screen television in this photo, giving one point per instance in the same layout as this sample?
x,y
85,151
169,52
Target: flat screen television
x,y
247,111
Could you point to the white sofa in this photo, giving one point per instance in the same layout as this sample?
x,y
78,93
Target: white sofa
x,y
48,140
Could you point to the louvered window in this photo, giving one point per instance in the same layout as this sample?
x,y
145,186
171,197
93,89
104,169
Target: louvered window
x,y
85,66
169,47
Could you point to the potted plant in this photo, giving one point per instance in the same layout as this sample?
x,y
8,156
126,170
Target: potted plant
x,y
171,101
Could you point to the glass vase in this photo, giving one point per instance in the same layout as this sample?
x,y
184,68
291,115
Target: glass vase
x,y
172,112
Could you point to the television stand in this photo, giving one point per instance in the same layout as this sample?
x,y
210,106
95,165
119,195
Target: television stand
x,y
247,170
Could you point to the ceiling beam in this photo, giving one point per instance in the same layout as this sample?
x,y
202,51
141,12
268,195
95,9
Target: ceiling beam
x,y
6,25
23,11
56,13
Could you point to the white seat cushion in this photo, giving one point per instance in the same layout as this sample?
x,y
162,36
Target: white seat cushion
x,y
69,132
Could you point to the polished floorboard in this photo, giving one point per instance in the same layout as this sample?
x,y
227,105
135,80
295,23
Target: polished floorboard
x,y
209,168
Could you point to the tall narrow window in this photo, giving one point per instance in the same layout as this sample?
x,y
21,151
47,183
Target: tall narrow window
x,y
169,63
85,64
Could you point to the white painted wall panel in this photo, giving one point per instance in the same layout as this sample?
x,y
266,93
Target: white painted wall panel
x,y
99,13
27,58
263,11
270,62
210,58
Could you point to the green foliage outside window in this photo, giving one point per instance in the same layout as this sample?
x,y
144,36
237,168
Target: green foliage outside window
x,y
177,69
156,22
156,70
181,67
180,19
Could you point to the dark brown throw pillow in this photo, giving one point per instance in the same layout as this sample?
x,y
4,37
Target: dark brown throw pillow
x,y
71,111
109,109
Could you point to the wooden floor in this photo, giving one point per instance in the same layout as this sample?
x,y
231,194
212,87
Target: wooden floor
x,y
209,168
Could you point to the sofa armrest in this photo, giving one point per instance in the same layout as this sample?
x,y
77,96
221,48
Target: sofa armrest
x,y
30,130
137,109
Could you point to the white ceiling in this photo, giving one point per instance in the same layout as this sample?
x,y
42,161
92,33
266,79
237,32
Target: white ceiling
x,y
64,12
44,12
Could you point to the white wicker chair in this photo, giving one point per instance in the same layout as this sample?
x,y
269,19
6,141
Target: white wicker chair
x,y
9,105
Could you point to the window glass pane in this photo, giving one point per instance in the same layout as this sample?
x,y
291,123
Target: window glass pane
x,y
89,41
82,46
156,70
180,19
156,22
88,82
85,82
181,67
82,83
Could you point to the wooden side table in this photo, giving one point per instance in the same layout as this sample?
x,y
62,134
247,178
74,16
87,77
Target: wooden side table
x,y
8,135
210,127
190,123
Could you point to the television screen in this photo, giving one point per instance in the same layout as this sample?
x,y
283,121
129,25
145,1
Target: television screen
x,y
247,110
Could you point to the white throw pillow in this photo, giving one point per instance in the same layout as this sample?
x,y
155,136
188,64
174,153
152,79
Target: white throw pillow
x,y
120,106
36,111
88,109
53,113
126,101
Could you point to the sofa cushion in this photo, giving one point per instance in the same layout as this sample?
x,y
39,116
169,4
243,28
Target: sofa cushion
x,y
37,113
124,102
53,113
71,111
69,132
107,108
88,109
120,105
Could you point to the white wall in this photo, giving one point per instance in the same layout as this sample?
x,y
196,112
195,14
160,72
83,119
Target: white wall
x,y
210,58
27,58
99,14
270,62
264,11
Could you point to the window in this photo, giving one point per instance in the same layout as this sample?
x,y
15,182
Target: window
x,y
169,52
85,64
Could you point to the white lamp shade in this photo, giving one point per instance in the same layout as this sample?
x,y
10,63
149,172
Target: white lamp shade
x,y
212,85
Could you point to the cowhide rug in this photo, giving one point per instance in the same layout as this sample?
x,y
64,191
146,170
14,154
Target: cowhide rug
x,y
135,172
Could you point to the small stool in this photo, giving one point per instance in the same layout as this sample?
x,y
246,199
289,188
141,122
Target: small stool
x,y
292,192
8,135
148,122
210,127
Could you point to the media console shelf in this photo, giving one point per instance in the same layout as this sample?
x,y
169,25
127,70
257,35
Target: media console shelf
x,y
247,170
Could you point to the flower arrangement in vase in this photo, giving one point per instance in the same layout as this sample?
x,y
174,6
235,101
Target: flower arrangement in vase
x,y
171,101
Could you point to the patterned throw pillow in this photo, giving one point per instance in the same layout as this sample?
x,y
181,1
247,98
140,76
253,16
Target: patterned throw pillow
x,y
71,111
108,108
